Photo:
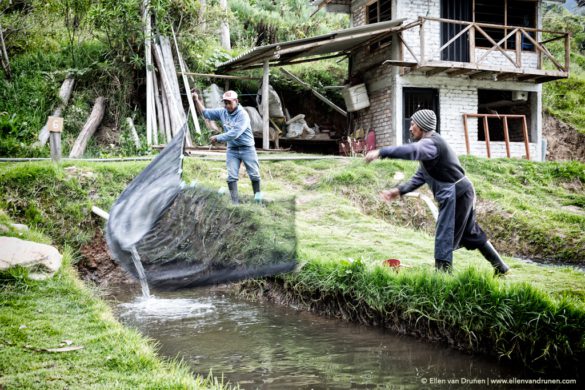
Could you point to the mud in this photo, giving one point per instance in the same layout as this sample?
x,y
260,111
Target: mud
x,y
97,266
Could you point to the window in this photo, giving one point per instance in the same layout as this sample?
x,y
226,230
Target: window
x,y
379,11
514,13
502,103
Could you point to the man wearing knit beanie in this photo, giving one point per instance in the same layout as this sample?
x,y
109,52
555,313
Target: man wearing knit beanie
x,y
440,168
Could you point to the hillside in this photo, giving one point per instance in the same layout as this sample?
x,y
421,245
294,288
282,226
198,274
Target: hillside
x,y
100,45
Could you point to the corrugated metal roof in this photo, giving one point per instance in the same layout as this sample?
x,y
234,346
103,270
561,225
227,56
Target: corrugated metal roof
x,y
340,42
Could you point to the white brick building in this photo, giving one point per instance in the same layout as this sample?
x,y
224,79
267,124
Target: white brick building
x,y
469,76
479,64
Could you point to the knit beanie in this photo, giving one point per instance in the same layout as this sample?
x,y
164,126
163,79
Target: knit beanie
x,y
425,119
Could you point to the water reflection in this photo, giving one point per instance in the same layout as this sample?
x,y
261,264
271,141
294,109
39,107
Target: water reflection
x,y
273,347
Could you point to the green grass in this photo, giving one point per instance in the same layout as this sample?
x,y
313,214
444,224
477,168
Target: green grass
x,y
470,310
40,315
341,224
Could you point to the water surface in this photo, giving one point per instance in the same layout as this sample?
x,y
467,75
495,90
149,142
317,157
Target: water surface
x,y
266,346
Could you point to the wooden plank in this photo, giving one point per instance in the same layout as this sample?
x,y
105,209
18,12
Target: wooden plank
x,y
220,76
422,40
458,72
167,117
160,114
265,104
91,125
506,136
496,45
519,48
408,64
435,71
176,119
466,134
149,67
316,93
186,85
486,131
525,131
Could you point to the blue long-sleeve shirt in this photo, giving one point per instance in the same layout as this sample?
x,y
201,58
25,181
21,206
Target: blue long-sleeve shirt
x,y
236,126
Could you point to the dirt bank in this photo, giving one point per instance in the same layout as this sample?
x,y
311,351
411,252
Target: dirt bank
x,y
564,142
97,265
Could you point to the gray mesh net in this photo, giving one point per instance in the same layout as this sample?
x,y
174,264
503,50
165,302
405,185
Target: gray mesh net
x,y
193,236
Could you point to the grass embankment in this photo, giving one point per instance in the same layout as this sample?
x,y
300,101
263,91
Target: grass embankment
x,y
536,315
61,312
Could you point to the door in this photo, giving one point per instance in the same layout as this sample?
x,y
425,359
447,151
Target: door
x,y
455,10
415,99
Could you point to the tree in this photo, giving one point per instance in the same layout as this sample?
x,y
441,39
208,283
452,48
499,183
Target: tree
x,y
74,12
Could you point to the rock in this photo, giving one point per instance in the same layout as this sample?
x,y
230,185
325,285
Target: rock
x,y
42,260
19,226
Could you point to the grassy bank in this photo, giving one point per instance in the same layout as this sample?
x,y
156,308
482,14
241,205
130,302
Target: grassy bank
x,y
534,316
61,312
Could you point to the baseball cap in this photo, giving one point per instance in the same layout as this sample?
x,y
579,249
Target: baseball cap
x,y
230,95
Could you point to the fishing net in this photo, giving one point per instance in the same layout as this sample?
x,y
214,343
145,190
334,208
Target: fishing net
x,y
188,236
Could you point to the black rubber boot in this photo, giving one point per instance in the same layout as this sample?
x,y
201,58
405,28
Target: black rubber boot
x,y
443,266
491,254
256,186
257,193
233,186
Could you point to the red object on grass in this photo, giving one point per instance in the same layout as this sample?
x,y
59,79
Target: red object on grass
x,y
392,263
371,140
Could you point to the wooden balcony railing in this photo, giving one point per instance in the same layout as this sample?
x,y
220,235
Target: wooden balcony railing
x,y
510,41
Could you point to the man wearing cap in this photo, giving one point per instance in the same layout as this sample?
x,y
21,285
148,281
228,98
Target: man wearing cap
x,y
440,168
240,142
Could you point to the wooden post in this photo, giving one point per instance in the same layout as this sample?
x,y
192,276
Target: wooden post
x,y
149,67
519,49
422,41
176,119
64,95
525,130
186,85
506,136
486,131
567,52
159,110
466,134
133,132
265,110
472,44
55,127
166,117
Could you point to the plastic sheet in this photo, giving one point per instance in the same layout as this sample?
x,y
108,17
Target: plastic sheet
x,y
189,236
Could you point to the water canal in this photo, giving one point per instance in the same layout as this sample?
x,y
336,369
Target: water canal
x,y
267,346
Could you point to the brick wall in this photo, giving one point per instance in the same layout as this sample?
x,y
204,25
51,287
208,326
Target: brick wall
x,y
529,60
457,95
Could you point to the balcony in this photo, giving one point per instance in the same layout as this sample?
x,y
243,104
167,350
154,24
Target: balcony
x,y
483,51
